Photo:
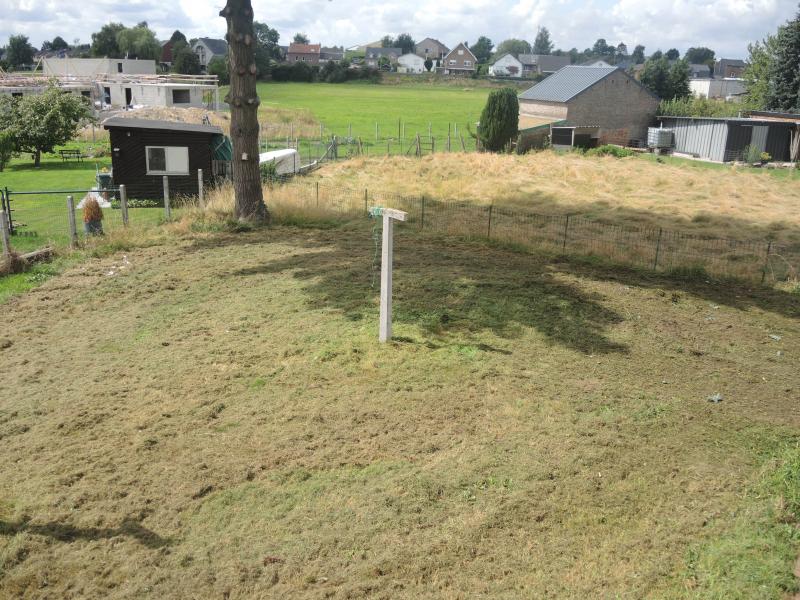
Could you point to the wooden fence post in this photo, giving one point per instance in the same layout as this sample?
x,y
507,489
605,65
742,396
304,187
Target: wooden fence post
x,y
167,212
658,248
564,242
73,229
4,233
200,190
422,219
766,262
489,231
123,203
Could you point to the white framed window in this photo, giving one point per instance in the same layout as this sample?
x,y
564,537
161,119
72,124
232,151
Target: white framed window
x,y
467,63
461,53
452,61
167,160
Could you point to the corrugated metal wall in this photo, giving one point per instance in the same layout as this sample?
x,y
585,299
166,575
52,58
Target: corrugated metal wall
x,y
705,138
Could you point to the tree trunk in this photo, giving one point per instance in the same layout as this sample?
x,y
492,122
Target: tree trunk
x,y
37,159
244,102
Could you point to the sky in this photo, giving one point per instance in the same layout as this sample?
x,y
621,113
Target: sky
x,y
726,26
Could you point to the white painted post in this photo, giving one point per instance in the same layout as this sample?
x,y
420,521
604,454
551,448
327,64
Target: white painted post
x,y
4,233
123,203
73,229
167,213
387,252
200,190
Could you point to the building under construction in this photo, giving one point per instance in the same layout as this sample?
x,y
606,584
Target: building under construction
x,y
116,83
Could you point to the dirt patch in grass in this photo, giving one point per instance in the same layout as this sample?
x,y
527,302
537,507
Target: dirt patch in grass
x,y
741,204
218,420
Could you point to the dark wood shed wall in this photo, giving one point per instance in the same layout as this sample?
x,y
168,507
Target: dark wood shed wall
x,y
130,164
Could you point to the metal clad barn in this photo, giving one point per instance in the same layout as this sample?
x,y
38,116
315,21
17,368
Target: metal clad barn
x,y
724,140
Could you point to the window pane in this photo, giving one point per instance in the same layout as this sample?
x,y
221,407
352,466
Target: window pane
x,y
178,160
156,159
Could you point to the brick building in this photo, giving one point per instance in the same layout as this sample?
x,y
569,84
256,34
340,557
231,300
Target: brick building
x,y
308,53
590,106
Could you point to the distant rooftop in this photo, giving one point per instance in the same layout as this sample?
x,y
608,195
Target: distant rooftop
x,y
125,123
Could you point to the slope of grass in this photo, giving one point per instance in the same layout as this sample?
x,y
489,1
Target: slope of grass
x,y
681,195
216,419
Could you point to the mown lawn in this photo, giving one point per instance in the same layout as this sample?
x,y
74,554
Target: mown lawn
x,y
213,418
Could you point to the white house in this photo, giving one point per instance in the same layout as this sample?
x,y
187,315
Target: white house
x,y
207,49
410,63
506,66
730,89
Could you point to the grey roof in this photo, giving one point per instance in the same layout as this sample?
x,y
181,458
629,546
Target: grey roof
x,y
566,83
218,47
378,52
546,62
125,123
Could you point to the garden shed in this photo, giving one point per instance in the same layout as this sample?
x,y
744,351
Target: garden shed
x,y
143,151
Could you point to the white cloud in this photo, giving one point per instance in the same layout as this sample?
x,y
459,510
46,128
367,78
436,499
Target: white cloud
x,y
724,25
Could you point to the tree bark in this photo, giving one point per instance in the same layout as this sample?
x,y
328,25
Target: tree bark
x,y
37,159
244,102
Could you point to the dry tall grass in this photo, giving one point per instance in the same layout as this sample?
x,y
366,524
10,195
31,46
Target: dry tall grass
x,y
730,203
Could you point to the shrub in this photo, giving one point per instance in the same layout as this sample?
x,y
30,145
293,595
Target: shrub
x,y
499,120
765,157
269,172
610,150
136,204
6,148
752,154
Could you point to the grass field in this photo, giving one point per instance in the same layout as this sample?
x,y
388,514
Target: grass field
x,y
43,218
638,191
213,417
337,107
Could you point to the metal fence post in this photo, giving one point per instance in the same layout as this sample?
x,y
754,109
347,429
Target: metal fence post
x,y
123,203
200,190
167,212
489,230
766,262
564,241
73,229
4,233
9,211
658,248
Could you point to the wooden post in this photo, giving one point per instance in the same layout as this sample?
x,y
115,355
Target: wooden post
x,y
123,203
658,247
564,241
422,219
200,190
4,233
73,229
387,253
366,198
167,212
766,262
489,230
317,187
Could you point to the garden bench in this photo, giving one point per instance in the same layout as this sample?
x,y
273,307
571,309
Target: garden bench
x,y
71,153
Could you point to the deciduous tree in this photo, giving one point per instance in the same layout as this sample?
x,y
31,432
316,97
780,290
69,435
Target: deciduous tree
x,y
405,42
139,42
19,51
673,54
700,56
243,100
300,38
499,123
104,42
40,122
513,46
184,60
758,72
638,55
482,49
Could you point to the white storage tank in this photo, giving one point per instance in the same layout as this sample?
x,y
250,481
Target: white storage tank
x,y
658,137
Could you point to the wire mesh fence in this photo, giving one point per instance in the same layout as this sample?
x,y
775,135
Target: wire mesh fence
x,y
654,248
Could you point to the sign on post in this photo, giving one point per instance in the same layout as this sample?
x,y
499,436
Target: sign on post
x,y
389,215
